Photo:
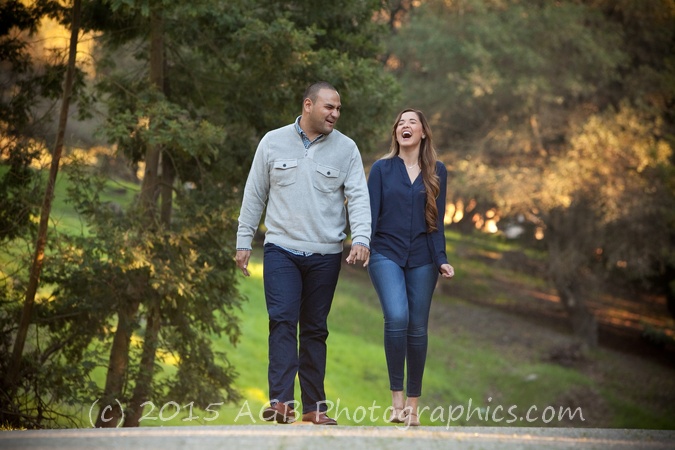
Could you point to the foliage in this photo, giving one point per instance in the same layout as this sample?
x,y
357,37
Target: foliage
x,y
30,85
561,112
24,84
218,67
492,67
619,166
119,261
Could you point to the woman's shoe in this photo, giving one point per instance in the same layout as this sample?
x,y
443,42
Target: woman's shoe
x,y
397,415
411,420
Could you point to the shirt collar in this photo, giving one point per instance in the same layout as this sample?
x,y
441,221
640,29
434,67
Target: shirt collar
x,y
303,135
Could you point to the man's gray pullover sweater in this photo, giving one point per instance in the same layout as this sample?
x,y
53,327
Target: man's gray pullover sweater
x,y
305,192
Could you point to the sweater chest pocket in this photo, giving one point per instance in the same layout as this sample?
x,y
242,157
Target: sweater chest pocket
x,y
326,178
284,172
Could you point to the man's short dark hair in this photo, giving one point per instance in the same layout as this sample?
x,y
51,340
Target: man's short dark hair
x,y
312,91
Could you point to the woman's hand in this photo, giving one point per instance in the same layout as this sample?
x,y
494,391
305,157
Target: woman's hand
x,y
359,253
447,271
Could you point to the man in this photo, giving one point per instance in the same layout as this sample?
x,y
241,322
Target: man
x,y
303,173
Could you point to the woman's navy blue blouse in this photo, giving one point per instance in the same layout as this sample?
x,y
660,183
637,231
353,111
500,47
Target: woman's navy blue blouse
x,y
397,208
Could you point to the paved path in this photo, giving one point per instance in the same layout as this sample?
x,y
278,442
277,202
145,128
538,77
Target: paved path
x,y
352,438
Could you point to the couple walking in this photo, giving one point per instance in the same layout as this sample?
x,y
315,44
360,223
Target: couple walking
x,y
307,175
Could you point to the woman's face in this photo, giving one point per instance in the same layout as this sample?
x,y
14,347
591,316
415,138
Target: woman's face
x,y
409,130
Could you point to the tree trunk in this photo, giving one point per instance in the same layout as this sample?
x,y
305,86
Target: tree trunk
x,y
110,412
150,186
145,374
584,324
166,191
151,189
38,260
536,134
570,241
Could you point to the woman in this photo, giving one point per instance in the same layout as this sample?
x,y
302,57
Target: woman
x,y
407,200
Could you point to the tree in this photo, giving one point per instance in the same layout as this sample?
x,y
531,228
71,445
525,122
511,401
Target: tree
x,y
36,268
188,92
25,85
513,87
610,213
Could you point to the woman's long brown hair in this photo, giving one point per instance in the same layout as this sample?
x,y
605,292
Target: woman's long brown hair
x,y
427,162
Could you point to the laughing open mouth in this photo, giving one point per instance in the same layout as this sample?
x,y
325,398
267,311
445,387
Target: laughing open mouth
x,y
406,134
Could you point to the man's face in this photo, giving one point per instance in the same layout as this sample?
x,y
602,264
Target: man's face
x,y
323,113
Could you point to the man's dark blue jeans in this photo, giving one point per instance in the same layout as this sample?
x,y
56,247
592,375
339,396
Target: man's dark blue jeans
x,y
298,291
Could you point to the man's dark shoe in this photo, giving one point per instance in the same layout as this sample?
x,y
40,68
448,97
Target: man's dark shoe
x,y
318,418
280,412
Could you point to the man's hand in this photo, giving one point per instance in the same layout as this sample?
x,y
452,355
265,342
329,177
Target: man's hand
x,y
242,261
359,253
